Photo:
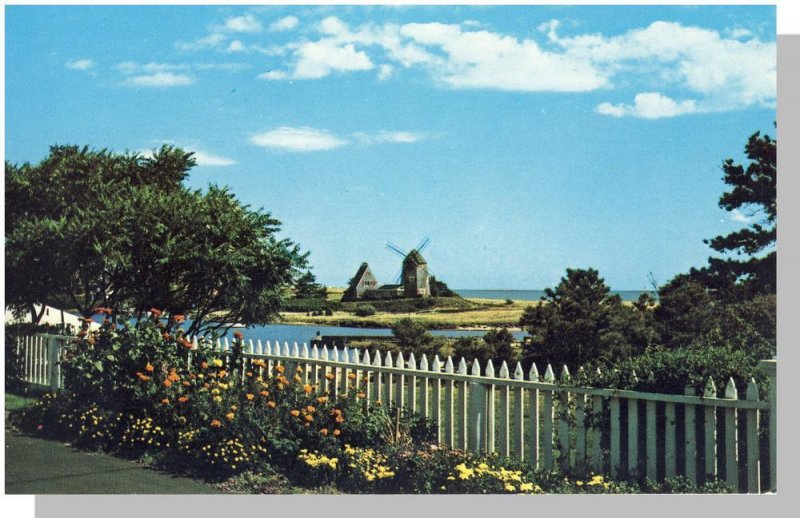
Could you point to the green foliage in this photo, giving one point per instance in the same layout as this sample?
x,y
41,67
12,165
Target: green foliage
x,y
306,287
581,322
754,193
364,310
440,289
306,305
94,228
413,336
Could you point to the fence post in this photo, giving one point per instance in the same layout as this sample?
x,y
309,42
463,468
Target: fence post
x,y
476,423
771,368
751,422
731,438
53,366
710,392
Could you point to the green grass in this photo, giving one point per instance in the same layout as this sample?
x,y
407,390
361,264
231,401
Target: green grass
x,y
16,402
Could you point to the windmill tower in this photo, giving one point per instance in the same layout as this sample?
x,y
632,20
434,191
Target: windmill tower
x,y
414,275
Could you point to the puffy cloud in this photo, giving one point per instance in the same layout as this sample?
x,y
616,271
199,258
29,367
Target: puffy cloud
x,y
209,160
213,40
79,64
649,105
317,59
300,139
284,24
247,23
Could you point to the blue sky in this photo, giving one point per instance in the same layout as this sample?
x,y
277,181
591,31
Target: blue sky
x,y
521,140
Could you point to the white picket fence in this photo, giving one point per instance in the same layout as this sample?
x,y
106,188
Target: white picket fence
x,y
526,416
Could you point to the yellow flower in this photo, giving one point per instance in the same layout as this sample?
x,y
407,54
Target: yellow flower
x,y
510,487
295,413
249,397
526,486
578,483
307,388
229,416
217,362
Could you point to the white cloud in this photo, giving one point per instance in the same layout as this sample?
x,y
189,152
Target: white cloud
x,y
737,215
236,46
385,72
209,160
211,41
284,24
298,139
273,75
400,137
247,23
649,105
709,70
79,64
160,79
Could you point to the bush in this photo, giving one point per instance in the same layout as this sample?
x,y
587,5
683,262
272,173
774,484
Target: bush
x,y
364,310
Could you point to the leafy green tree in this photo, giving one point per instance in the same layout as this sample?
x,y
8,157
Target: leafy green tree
x,y
121,231
754,194
415,337
499,343
440,289
580,321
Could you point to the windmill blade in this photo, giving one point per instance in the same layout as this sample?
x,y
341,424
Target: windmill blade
x,y
422,244
397,250
399,277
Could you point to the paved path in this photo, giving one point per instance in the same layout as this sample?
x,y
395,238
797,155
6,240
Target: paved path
x,y
39,466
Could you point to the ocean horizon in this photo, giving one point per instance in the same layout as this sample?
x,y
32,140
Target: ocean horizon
x,y
628,295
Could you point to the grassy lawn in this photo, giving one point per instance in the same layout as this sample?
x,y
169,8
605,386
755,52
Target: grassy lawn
x,y
487,313
16,402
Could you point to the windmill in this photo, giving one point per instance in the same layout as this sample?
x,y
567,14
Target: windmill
x,y
413,275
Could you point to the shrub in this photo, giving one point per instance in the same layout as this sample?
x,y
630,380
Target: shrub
x,y
364,310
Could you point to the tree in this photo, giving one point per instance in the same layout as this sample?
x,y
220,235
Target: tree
x,y
306,287
414,337
440,289
122,231
754,193
580,321
499,342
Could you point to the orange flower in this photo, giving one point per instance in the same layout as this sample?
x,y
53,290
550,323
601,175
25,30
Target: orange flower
x,y
155,312
249,397
249,374
167,383
173,376
183,399
186,384
229,416
186,343
297,379
178,318
310,409
322,399
264,393
204,365
330,376
165,401
295,413
271,404
165,335
361,395
299,369
280,368
238,335
351,376
307,388
324,431
223,373
340,419
215,423
142,377
149,368
309,418
337,433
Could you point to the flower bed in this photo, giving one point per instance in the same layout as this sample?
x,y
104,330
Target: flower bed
x,y
136,391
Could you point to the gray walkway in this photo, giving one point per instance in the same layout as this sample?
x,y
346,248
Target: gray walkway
x,y
39,466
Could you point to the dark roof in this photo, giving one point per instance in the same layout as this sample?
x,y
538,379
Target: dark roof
x,y
415,257
360,273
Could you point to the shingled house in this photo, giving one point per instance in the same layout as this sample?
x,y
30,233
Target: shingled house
x,y
415,282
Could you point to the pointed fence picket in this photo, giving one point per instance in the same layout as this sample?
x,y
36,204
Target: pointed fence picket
x,y
481,409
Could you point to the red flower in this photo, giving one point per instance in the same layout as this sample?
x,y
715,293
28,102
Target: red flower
x,y
238,335
155,312
178,318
